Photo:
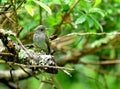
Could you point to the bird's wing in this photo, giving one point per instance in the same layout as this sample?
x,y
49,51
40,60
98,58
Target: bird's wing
x,y
48,44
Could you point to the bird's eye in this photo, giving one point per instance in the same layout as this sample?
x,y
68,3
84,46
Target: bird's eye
x,y
42,29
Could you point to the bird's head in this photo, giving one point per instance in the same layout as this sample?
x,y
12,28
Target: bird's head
x,y
40,28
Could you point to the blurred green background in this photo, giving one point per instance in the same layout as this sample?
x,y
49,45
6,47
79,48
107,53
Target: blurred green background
x,y
86,16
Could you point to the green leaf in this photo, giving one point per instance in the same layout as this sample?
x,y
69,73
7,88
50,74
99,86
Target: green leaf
x,y
43,6
81,19
65,7
97,10
96,22
97,2
29,9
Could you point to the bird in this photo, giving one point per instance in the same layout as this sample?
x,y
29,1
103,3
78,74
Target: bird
x,y
41,40
42,43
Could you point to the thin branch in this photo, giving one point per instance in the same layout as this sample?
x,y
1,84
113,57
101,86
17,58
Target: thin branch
x,y
10,20
24,48
63,17
37,66
6,54
72,7
4,12
42,83
18,74
91,33
40,14
30,74
5,21
90,49
15,13
56,82
3,6
11,85
101,62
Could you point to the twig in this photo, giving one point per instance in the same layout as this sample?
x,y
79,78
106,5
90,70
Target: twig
x,y
40,13
3,6
11,85
18,74
37,66
42,83
3,12
63,18
19,31
73,6
71,36
10,20
24,48
5,21
29,73
56,82
91,33
102,62
90,49
15,13
6,54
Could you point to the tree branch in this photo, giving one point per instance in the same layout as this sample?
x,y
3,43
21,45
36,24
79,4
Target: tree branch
x,y
63,17
76,54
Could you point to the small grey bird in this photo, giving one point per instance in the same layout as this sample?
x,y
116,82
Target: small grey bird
x,y
41,42
40,39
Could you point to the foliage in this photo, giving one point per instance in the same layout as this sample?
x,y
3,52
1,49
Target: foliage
x,y
63,17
